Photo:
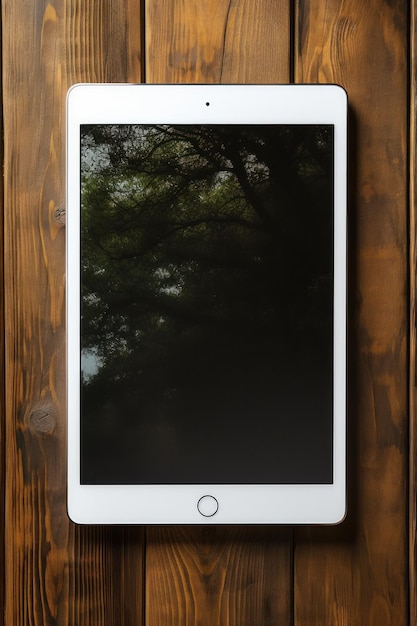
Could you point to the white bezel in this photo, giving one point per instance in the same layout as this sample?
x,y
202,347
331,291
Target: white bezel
x,y
177,504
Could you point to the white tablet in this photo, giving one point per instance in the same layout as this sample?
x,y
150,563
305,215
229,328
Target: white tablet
x,y
206,302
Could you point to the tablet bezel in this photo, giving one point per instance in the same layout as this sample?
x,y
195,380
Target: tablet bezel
x,y
206,104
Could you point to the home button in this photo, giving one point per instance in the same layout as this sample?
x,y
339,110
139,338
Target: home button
x,y
207,506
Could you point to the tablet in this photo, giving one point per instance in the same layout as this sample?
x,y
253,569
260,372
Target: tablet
x,y
206,304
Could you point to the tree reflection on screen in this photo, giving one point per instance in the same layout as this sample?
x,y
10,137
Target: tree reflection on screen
x,y
207,303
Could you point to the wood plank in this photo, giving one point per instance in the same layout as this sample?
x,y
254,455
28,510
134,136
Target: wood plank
x,y
2,386
56,573
105,582
212,576
413,320
357,573
217,41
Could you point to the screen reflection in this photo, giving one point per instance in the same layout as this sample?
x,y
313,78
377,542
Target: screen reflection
x,y
206,304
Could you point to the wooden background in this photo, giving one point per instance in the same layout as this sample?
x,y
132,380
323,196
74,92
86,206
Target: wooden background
x,y
361,573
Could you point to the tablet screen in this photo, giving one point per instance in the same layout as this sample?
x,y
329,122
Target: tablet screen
x,y
207,289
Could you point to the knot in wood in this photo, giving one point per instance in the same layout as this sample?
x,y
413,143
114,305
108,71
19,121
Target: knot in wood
x,y
42,421
60,215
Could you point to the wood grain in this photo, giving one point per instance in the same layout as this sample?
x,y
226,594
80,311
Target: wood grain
x,y
357,574
56,573
208,576
217,41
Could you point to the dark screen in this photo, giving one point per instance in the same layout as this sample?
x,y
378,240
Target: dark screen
x,y
206,304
